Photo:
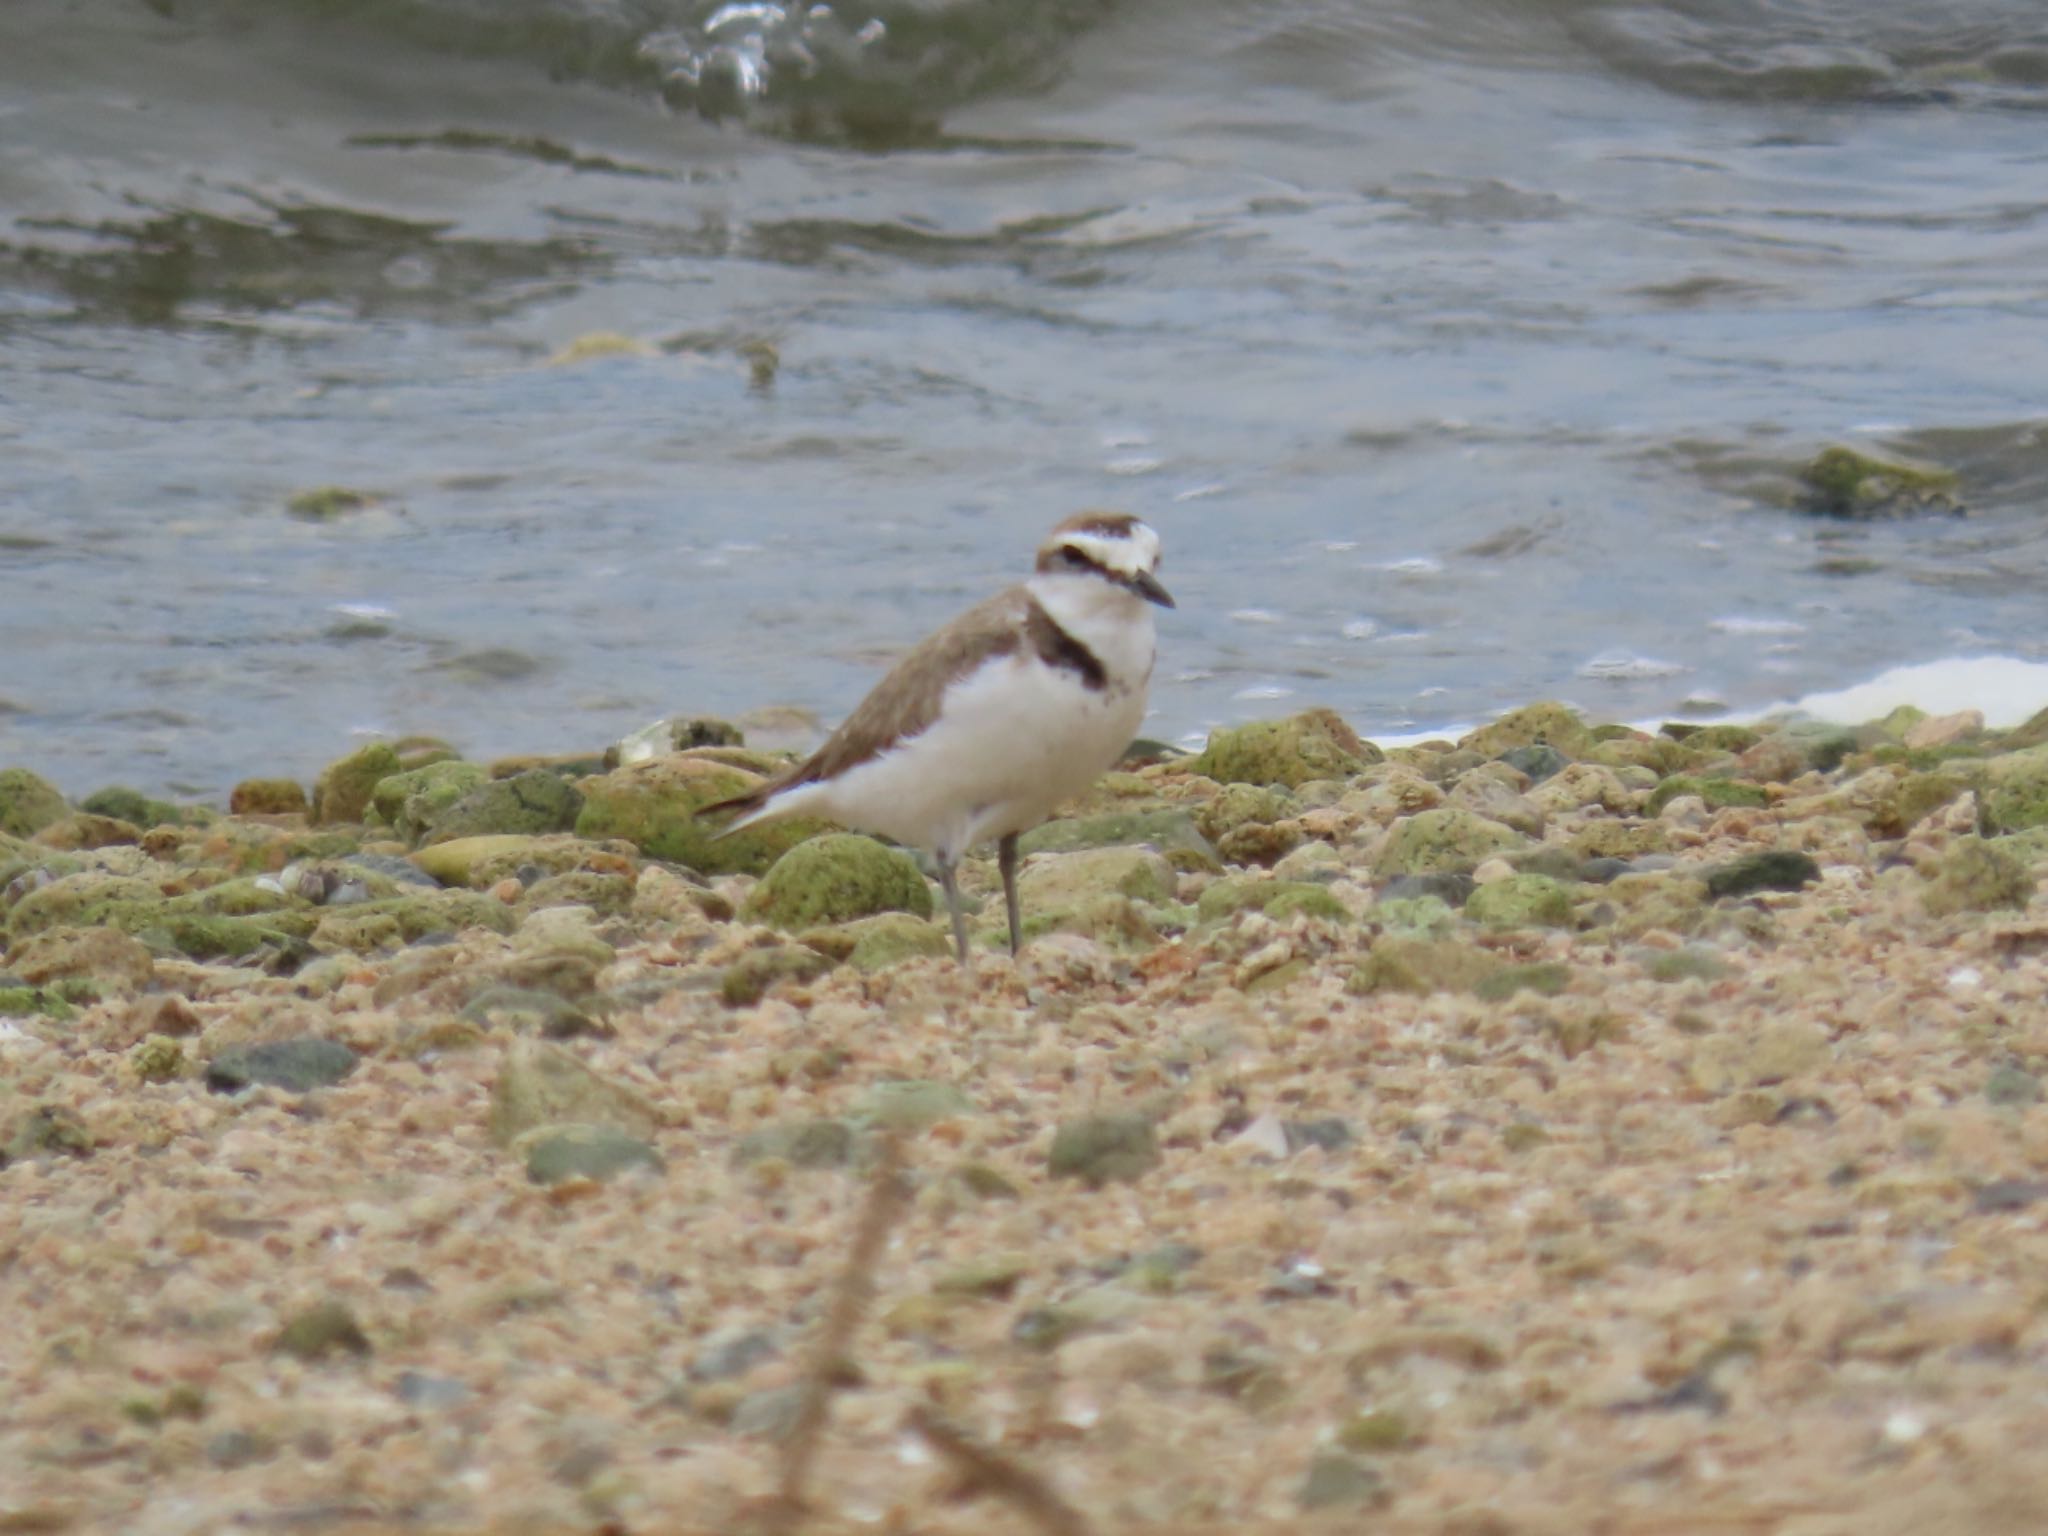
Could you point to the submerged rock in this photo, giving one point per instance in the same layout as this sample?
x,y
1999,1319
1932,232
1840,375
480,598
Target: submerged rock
x,y
1316,744
1841,482
27,803
835,878
1117,1147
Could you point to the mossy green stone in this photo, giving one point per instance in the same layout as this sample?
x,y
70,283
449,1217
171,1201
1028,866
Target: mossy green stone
x,y
324,1329
539,1083
559,1152
345,786
890,938
1546,724
1521,901
1173,833
654,806
538,800
1443,840
1842,482
1117,1147
748,978
131,806
1316,744
157,1059
1978,876
800,1143
268,797
2014,793
1718,793
1400,963
18,1002
1545,978
1278,899
834,879
408,802
28,803
912,1104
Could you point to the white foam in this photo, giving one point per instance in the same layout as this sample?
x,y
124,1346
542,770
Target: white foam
x,y
2008,690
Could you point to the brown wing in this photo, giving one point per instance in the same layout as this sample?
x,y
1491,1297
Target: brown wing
x,y
905,702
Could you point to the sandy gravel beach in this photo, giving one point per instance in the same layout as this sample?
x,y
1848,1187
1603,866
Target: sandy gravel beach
x,y
1564,1130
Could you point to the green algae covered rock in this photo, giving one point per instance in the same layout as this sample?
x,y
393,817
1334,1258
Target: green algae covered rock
x,y
536,801
1841,482
1547,724
1067,880
268,797
1117,1147
103,955
654,806
2014,793
835,878
1521,901
748,978
890,938
1315,744
132,806
1407,963
409,802
27,803
345,786
557,1153
1279,899
1978,876
1431,841
1173,833
1716,792
540,1083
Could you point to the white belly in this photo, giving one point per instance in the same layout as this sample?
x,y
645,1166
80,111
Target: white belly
x,y
1011,741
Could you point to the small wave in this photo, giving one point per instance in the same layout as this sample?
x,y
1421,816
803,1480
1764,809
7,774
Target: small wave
x,y
1762,628
1626,667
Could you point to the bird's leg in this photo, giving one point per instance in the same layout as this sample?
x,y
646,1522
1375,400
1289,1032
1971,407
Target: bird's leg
x,y
952,890
1006,858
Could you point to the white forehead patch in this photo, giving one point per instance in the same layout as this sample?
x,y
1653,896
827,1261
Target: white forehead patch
x,y
1125,554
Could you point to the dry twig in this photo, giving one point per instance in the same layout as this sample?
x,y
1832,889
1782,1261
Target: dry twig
x,y
982,1470
830,1353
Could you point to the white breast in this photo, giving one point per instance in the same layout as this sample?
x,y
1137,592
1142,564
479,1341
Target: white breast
x,y
1012,739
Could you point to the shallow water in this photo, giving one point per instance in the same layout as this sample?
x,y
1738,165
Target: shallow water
x,y
1462,352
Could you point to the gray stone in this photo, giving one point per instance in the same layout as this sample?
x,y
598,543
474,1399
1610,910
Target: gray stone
x,y
297,1066
560,1152
1119,1146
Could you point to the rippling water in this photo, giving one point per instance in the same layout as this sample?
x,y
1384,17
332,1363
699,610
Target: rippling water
x,y
1463,350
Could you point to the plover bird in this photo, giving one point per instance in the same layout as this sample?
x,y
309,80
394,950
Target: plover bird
x,y
1019,703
